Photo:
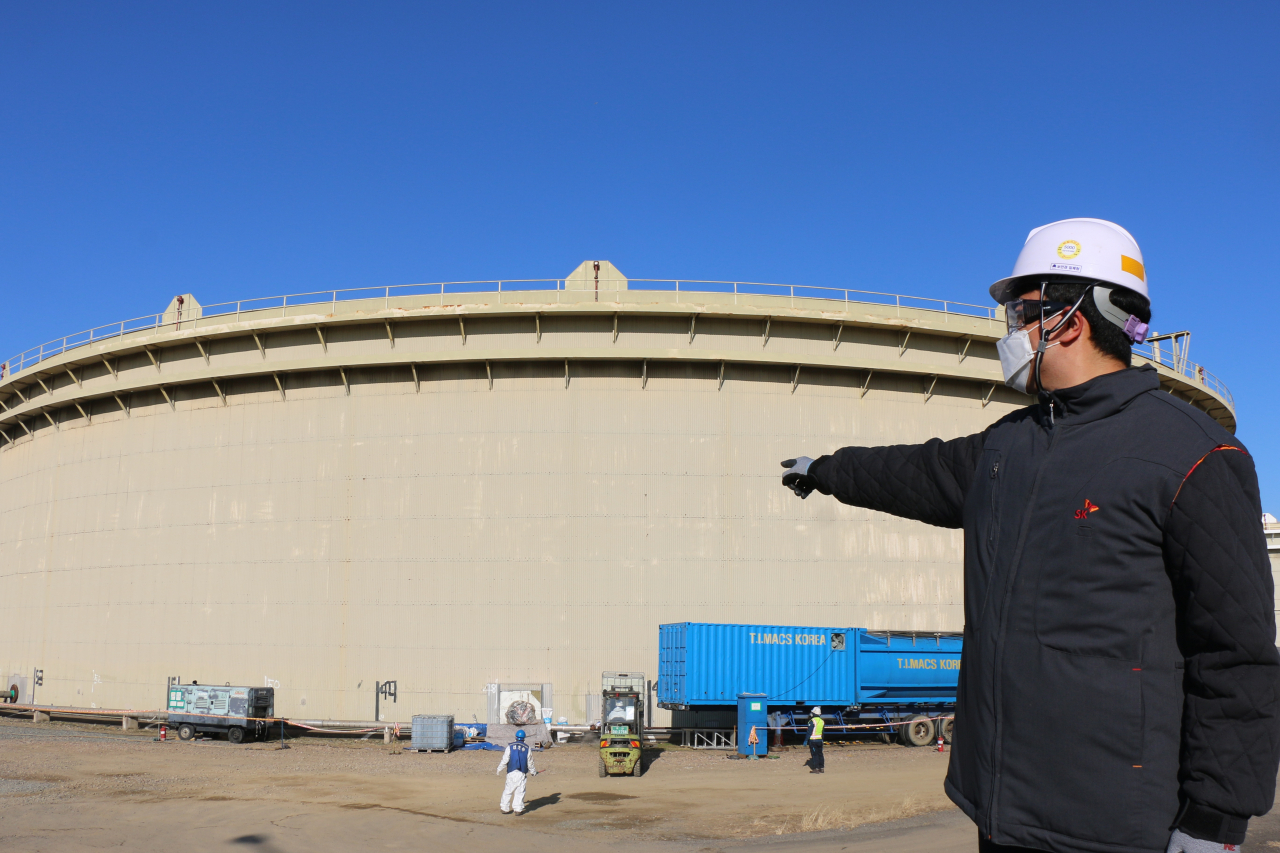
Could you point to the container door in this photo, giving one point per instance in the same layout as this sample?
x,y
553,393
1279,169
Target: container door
x,y
753,713
672,664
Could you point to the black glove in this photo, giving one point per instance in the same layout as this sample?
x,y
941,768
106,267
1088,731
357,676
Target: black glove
x,y
797,477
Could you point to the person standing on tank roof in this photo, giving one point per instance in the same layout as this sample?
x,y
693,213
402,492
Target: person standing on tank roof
x,y
1120,686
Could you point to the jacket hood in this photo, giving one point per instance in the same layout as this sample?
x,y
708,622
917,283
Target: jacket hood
x,y
1101,396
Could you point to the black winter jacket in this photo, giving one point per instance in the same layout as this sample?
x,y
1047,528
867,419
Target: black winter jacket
x,y
1120,675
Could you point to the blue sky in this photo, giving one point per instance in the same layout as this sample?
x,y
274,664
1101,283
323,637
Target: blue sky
x,y
236,150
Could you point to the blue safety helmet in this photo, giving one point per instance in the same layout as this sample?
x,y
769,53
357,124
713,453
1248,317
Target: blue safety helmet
x,y
520,734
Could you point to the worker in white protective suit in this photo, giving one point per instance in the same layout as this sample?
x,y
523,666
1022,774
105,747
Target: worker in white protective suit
x,y
517,761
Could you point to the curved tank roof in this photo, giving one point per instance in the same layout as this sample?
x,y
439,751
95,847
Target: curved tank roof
x,y
42,379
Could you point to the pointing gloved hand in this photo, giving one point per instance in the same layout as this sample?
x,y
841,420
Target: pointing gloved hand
x,y
797,477
1183,843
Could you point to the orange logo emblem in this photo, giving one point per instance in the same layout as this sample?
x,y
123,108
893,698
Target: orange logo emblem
x,y
1089,507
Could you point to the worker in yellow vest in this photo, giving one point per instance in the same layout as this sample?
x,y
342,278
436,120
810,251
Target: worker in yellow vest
x,y
817,764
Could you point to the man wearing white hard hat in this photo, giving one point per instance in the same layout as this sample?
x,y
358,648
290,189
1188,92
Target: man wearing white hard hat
x,y
813,737
1120,685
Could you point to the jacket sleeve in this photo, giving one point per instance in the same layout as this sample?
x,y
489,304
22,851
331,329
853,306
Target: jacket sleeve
x,y
926,482
1216,555
506,756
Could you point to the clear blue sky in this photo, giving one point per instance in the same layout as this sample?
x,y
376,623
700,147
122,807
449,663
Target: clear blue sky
x,y
235,150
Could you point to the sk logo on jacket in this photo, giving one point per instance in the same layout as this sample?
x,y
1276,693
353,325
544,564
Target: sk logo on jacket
x,y
1089,507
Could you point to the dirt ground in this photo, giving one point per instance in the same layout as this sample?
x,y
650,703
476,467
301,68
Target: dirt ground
x,y
67,786
73,787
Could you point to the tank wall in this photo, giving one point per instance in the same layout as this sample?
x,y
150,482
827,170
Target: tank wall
x,y
454,537
1274,554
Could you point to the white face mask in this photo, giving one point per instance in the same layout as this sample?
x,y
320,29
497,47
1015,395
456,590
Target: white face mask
x,y
1016,358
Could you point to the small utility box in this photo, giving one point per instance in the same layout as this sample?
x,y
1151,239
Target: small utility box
x,y
240,713
753,711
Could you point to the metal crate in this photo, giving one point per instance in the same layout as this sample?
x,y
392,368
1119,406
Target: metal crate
x,y
433,732
611,680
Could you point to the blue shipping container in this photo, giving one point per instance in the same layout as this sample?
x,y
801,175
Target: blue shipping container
x,y
701,664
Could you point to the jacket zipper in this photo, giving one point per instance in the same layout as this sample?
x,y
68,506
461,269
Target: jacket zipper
x,y
1000,633
991,528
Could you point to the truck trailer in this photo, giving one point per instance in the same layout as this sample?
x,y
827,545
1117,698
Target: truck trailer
x,y
892,683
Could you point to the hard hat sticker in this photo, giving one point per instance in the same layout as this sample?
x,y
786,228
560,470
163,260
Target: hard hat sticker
x,y
1065,267
1133,267
1068,249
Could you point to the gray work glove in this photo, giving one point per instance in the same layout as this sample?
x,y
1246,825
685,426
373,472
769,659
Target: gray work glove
x,y
797,477
1183,843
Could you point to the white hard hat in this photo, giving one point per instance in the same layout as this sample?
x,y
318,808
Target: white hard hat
x,y
817,711
1086,248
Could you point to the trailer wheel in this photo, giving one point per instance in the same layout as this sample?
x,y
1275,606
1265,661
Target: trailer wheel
x,y
884,737
945,728
186,731
918,732
235,734
603,772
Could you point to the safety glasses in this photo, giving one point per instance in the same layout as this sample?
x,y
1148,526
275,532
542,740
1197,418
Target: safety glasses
x,y
1019,312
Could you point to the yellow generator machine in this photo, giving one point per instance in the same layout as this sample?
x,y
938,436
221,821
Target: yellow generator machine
x,y
622,724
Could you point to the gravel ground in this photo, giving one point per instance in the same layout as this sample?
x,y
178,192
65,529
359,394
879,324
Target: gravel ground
x,y
72,787
684,795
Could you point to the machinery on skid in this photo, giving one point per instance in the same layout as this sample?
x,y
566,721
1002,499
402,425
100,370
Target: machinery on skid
x,y
240,713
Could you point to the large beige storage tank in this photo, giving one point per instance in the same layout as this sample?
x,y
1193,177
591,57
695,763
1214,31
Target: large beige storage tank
x,y
454,486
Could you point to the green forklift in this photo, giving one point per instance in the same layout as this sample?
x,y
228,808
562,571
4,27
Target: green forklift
x,y
622,724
